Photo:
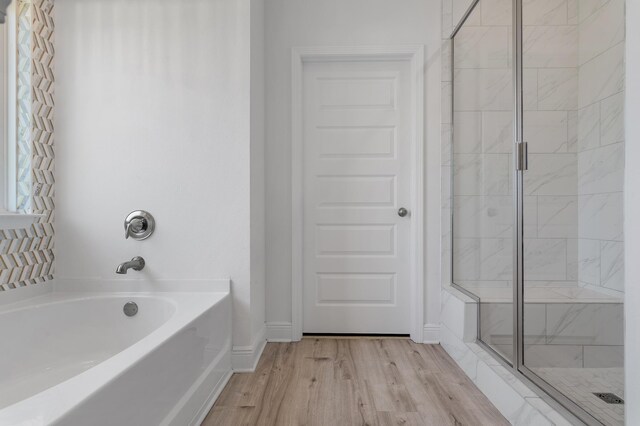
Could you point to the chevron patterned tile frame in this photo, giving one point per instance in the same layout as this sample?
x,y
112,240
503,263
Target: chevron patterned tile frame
x,y
26,255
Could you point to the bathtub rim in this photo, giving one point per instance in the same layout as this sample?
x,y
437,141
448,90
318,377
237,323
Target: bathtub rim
x,y
31,292
53,403
61,298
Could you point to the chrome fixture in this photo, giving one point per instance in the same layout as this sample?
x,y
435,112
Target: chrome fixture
x,y
139,225
4,4
137,264
402,212
130,309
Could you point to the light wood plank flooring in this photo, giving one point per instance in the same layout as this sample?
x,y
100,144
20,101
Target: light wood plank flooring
x,y
334,382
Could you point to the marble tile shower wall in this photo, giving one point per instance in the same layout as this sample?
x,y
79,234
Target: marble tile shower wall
x,y
482,149
600,144
446,87
575,335
482,95
550,85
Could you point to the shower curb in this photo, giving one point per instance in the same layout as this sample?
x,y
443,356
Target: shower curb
x,y
520,405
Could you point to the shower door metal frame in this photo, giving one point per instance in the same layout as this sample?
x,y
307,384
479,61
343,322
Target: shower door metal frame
x,y
545,390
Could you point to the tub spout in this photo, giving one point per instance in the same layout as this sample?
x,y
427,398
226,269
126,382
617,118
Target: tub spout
x,y
137,264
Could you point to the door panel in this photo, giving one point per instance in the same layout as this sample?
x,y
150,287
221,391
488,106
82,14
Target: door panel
x,y
573,299
357,174
483,170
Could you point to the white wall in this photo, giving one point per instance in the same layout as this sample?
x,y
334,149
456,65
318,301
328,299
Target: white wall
x,y
258,259
153,112
632,212
337,22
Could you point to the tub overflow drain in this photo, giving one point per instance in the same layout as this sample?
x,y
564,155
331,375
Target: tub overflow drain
x,y
130,309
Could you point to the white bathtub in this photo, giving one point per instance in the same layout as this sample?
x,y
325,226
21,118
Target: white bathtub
x,y
72,357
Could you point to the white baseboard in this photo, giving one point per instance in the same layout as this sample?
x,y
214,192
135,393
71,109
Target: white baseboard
x,y
244,359
279,331
431,334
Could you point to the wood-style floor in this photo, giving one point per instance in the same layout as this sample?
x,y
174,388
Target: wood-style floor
x,y
335,382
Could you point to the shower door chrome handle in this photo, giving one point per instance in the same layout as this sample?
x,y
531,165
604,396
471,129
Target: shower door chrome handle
x,y
522,155
402,212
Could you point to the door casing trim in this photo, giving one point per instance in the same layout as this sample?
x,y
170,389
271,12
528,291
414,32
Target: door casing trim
x,y
414,54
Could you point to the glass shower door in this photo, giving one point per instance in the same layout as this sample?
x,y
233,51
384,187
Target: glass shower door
x,y
483,192
539,244
572,205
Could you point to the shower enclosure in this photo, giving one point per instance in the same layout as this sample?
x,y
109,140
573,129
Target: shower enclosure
x,y
537,181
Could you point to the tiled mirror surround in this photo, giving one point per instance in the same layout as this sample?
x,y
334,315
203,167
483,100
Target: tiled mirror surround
x,y
26,255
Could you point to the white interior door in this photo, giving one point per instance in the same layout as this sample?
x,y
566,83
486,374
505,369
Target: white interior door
x,y
357,172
